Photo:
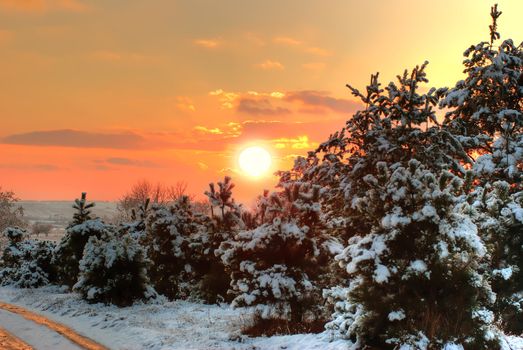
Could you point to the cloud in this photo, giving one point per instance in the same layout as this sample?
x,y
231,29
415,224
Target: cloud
x,y
231,129
185,103
43,6
279,103
320,99
207,43
126,162
81,139
300,142
301,45
318,51
260,107
285,40
226,98
205,130
270,65
202,166
35,167
276,129
230,171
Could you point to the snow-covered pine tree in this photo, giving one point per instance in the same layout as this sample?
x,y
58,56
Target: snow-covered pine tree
x,y
398,124
167,243
486,108
279,266
414,277
69,251
25,263
410,257
486,112
225,213
226,222
499,216
324,167
177,244
113,269
136,228
82,210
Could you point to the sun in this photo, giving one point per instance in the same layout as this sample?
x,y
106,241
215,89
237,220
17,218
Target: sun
x,y
255,161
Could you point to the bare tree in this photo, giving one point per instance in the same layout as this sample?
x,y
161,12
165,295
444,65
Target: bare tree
x,y
41,228
145,190
11,214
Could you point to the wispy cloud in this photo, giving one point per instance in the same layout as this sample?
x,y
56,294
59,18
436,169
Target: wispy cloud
x,y
285,40
35,167
271,65
185,103
301,45
205,130
260,107
318,51
230,100
81,139
300,142
202,166
207,43
226,98
311,98
279,103
231,129
128,162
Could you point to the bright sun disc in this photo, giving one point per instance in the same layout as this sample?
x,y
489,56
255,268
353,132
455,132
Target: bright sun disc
x,y
255,161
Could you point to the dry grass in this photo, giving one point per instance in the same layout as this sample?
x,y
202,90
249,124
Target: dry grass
x,y
268,327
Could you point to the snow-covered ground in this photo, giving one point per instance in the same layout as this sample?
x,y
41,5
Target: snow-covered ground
x,y
35,335
161,326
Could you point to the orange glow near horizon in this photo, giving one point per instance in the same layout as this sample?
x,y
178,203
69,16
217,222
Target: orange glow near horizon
x,y
97,95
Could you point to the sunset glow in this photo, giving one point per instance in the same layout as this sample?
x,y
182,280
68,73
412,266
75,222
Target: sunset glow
x,y
254,161
96,95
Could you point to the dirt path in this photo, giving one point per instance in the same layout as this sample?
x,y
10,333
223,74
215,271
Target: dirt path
x,y
10,342
21,329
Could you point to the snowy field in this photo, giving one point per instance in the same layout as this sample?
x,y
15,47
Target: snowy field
x,y
161,326
59,213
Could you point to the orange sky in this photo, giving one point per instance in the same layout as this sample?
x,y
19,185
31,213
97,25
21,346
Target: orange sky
x,y
96,95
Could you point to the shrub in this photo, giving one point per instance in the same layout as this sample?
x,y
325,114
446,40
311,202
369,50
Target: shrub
x,y
113,270
70,250
26,263
278,267
416,276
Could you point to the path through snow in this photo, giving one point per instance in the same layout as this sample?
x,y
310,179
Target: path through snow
x,y
38,336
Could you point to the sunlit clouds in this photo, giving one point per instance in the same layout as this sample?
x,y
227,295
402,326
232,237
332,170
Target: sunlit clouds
x,y
207,43
270,65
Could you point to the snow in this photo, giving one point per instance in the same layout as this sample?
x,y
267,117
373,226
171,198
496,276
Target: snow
x,y
40,337
506,273
158,326
486,316
381,274
396,315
